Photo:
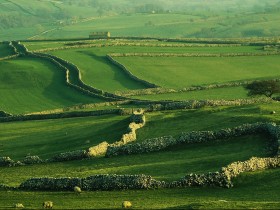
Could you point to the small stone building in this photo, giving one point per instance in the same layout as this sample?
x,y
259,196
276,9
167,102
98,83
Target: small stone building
x,y
100,35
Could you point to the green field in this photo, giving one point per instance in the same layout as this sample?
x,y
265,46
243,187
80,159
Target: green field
x,y
99,72
180,72
205,119
229,93
156,46
250,192
47,138
174,25
33,19
184,159
197,158
36,86
30,85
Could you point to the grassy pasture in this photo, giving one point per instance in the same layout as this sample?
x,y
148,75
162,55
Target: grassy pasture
x,y
252,190
229,93
49,137
175,25
30,85
205,119
179,72
53,135
5,50
53,19
99,72
39,45
184,159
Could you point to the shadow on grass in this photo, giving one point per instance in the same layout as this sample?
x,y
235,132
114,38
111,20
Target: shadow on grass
x,y
119,75
190,206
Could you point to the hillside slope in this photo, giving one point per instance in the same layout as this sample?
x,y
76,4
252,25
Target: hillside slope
x,y
33,19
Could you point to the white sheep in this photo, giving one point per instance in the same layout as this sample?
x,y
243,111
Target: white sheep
x,y
77,189
126,204
19,206
48,204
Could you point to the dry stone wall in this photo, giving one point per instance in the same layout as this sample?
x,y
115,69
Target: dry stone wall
x,y
92,183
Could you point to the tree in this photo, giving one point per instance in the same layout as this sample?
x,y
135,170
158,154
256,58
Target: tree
x,y
267,88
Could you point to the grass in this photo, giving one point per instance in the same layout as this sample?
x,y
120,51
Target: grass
x,y
175,25
99,72
78,20
30,85
212,94
5,50
178,72
259,191
40,45
184,159
174,122
50,137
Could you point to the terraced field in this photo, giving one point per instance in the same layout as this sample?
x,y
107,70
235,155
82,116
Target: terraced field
x,y
199,120
31,85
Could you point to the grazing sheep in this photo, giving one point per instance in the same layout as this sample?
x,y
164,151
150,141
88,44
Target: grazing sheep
x,y
19,206
48,204
126,204
77,190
